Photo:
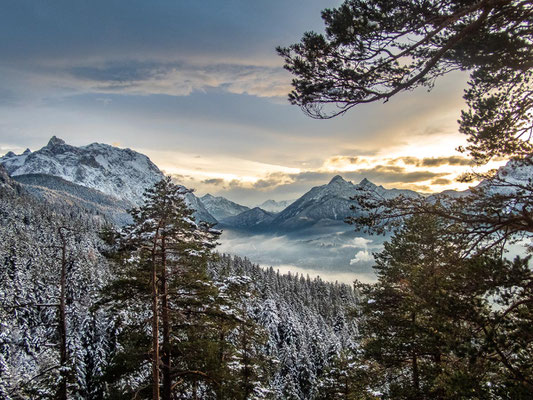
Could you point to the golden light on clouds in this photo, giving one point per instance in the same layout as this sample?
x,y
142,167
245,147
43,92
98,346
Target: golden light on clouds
x,y
431,166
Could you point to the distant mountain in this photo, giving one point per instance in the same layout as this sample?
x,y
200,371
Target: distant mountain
x,y
275,206
121,173
201,213
513,177
254,219
516,175
220,207
329,202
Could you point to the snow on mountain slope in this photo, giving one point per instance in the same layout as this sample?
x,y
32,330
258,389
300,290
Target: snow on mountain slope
x,y
329,202
251,219
516,175
275,206
121,173
201,213
60,192
220,207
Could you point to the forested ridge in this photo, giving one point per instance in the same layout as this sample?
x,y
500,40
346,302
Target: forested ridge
x,y
299,324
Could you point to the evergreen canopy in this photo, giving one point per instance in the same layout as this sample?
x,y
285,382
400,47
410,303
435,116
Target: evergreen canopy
x,y
374,49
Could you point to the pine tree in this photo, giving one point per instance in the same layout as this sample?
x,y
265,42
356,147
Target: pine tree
x,y
444,323
161,278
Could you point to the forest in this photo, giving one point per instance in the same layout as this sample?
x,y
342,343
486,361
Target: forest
x,y
98,306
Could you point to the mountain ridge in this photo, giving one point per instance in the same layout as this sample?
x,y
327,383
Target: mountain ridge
x,y
121,173
220,207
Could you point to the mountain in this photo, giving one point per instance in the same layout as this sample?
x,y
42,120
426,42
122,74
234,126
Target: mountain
x,y
59,192
254,219
329,202
121,173
201,213
275,206
220,207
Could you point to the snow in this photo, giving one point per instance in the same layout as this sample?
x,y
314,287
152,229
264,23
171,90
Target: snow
x,y
121,173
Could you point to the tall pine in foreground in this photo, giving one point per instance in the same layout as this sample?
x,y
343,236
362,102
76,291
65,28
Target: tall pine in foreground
x,y
443,323
161,288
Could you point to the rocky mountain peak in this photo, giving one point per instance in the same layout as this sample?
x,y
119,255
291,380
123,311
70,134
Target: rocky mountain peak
x,y
336,180
54,142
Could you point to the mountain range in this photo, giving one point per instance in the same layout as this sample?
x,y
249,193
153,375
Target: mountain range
x,y
122,174
109,180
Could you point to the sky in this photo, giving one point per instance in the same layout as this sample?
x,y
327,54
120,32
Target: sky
x,y
198,87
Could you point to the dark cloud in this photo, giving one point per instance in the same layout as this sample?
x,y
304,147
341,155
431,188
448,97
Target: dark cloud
x,y
434,161
350,160
405,160
393,174
380,174
266,183
124,72
453,160
214,181
441,181
80,29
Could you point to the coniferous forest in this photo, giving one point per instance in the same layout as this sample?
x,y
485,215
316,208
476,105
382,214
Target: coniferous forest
x,y
112,286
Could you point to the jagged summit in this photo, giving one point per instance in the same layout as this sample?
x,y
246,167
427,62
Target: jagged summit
x,y
274,206
366,182
337,179
121,173
26,152
331,202
220,207
55,141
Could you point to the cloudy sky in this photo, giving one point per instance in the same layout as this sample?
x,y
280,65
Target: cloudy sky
x,y
199,88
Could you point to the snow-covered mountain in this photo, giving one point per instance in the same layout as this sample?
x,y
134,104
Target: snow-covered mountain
x,y
254,219
58,192
201,213
329,202
121,173
275,206
220,207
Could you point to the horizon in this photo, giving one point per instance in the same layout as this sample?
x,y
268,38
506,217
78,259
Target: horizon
x,y
327,178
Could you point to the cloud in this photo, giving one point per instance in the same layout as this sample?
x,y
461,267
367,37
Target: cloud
x,y
343,160
392,174
435,161
361,256
214,181
441,181
179,79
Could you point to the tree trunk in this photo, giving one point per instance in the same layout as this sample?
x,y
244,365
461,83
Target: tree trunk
x,y
414,362
165,358
62,323
246,355
155,323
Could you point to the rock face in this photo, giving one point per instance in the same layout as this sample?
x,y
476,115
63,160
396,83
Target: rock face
x,y
220,207
123,174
